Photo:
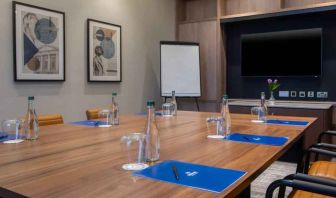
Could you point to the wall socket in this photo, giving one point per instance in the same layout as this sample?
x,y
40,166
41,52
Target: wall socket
x,y
293,94
310,94
321,94
302,94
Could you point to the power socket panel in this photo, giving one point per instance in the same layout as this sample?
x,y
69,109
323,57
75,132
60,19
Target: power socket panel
x,y
322,94
310,94
293,94
302,94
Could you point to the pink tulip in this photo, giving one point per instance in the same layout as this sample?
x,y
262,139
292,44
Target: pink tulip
x,y
275,81
269,81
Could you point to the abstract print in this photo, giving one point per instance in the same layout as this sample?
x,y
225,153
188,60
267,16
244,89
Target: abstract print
x,y
104,59
41,52
38,43
104,51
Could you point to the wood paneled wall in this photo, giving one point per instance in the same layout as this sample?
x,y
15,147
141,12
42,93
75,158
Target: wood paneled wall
x,y
243,6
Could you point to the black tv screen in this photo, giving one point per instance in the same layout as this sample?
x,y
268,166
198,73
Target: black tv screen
x,y
285,53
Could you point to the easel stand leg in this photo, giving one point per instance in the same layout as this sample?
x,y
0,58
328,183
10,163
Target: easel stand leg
x,y
198,108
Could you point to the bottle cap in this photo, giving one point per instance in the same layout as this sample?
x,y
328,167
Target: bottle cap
x,y
225,97
150,103
30,97
114,94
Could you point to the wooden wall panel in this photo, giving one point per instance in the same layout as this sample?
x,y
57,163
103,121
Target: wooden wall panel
x,y
302,3
187,32
207,36
244,6
194,9
180,11
191,10
210,8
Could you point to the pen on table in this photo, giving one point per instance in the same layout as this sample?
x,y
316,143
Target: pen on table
x,y
246,138
175,172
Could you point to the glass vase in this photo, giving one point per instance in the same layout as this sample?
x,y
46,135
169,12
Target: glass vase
x,y
271,100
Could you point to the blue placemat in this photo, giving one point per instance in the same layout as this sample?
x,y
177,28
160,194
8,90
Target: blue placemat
x,y
288,122
257,139
5,137
3,134
90,123
158,113
192,175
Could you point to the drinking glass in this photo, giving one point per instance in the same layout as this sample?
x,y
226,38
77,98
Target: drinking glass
x,y
14,129
105,118
215,127
258,114
133,146
167,109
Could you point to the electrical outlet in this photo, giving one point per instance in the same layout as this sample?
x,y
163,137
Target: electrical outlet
x,y
293,94
322,94
310,94
284,94
302,94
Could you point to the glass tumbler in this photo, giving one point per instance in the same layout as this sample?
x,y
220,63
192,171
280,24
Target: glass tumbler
x,y
167,109
105,118
14,130
215,127
133,146
258,114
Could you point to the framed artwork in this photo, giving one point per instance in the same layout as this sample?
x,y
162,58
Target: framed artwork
x,y
39,53
104,51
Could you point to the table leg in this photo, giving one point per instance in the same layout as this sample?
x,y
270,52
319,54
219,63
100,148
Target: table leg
x,y
300,154
245,193
10,194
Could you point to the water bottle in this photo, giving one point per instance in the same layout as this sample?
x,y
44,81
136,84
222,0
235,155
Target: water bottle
x,y
263,112
114,110
226,126
31,125
152,143
174,103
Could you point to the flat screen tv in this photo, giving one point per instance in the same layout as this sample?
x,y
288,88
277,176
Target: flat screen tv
x,y
284,53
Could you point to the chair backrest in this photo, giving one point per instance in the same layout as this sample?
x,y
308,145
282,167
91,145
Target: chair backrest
x,y
50,119
92,114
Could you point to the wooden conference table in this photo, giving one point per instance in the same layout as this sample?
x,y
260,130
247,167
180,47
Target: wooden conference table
x,y
79,161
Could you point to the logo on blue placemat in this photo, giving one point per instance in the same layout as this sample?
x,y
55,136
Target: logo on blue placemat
x,y
191,174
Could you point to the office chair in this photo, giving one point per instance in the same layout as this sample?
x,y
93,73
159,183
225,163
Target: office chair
x,y
317,177
92,114
50,119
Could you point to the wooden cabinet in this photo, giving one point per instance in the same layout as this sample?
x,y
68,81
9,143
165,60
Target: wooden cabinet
x,y
237,8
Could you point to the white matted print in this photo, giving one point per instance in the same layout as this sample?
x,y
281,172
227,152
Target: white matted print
x,y
38,43
104,51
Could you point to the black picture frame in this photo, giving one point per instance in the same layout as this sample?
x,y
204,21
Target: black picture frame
x,y
90,59
60,56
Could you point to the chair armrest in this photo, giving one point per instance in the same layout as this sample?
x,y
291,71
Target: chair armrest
x,y
331,133
316,151
301,185
325,145
314,179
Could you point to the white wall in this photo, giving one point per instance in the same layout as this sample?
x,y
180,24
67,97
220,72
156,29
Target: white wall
x,y
144,23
